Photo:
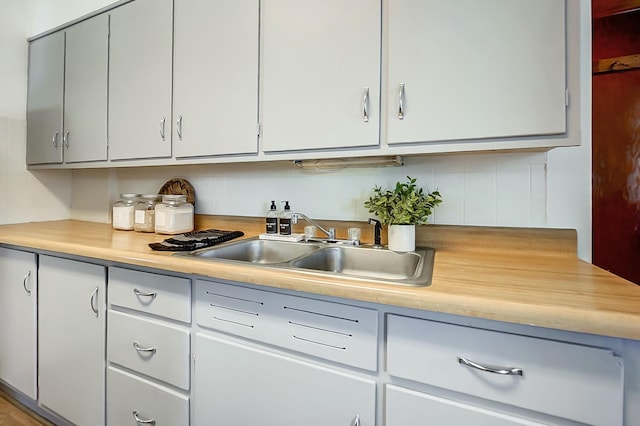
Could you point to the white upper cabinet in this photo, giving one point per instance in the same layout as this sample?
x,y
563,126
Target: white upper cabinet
x,y
140,80
466,69
85,101
45,97
215,77
320,74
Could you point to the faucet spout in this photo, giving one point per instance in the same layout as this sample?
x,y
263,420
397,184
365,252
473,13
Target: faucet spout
x,y
330,233
376,232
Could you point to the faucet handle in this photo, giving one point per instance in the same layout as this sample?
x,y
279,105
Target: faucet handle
x,y
332,233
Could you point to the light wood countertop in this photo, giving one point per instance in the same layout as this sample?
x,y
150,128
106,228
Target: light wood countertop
x,y
523,276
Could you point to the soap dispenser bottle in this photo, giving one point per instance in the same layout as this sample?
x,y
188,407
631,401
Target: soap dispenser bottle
x,y
285,220
272,219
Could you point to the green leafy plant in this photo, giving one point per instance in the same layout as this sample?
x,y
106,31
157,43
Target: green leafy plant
x,y
406,204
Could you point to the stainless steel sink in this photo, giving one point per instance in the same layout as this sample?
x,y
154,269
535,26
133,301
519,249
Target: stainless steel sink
x,y
256,251
413,268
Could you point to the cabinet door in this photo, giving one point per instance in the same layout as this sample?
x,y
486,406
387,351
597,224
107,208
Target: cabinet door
x,y
71,339
216,87
140,80
85,101
320,74
237,384
45,99
18,295
472,69
405,407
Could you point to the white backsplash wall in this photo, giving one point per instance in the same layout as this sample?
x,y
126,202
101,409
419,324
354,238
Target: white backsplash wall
x,y
479,189
28,196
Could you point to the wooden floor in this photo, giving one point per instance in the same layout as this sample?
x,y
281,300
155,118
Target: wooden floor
x,y
14,414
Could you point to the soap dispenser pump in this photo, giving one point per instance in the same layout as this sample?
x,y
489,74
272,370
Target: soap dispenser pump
x,y
285,220
272,219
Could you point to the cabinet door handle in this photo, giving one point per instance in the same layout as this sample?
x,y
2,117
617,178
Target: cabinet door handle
x,y
54,139
24,282
356,421
137,347
179,127
142,421
94,301
139,293
65,139
505,371
365,105
401,102
162,123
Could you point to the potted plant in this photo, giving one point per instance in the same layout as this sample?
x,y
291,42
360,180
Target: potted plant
x,y
402,208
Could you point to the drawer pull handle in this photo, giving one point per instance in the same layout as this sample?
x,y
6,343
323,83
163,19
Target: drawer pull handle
x,y
365,105
401,102
356,421
94,301
141,420
139,293
506,371
24,282
137,347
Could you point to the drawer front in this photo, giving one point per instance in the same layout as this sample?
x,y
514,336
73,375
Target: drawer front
x,y
405,407
128,394
341,333
232,309
333,331
150,347
576,382
156,294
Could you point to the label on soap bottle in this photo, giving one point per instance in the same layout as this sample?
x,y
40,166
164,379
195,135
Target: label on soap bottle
x,y
285,226
272,225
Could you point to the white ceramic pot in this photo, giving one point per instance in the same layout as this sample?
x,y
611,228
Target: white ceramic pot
x,y
402,238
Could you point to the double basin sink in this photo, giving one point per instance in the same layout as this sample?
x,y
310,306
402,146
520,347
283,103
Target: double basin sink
x,y
376,264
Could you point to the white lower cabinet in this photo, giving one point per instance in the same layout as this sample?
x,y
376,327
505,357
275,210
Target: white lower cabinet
x,y
135,401
238,384
71,339
405,407
18,301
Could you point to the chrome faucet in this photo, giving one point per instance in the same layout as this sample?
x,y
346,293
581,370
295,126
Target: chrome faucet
x,y
331,232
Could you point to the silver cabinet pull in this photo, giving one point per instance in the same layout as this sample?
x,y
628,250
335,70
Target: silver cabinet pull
x,y
401,102
356,422
179,127
54,139
65,139
142,421
94,300
141,294
505,371
162,123
24,282
365,105
137,347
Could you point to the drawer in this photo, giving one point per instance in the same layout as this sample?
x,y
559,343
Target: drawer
x,y
128,394
232,309
156,294
341,333
149,346
567,380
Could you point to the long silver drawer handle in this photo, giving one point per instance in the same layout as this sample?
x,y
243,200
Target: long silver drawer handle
x,y
506,371
24,282
65,139
139,293
93,301
365,105
139,349
143,421
54,139
179,127
401,102
162,122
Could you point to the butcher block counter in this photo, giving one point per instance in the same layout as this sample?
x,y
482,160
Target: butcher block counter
x,y
517,275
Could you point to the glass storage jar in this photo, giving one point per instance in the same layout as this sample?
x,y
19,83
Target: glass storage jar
x,y
144,217
123,212
174,215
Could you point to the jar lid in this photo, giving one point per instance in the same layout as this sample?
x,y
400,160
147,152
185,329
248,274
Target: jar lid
x,y
151,196
174,197
128,195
